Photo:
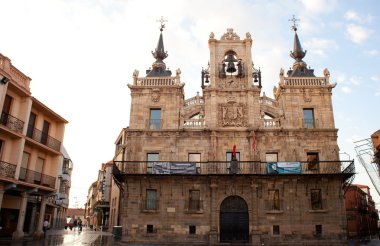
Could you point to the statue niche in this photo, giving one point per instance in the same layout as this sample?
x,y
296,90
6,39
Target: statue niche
x,y
232,114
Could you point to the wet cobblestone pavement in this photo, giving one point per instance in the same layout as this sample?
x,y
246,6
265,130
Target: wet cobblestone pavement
x,y
97,238
66,238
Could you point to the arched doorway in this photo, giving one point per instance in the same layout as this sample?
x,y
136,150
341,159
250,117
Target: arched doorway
x,y
234,220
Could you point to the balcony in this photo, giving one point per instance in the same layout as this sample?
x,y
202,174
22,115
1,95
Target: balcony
x,y
224,168
34,177
12,122
154,124
65,177
43,138
7,170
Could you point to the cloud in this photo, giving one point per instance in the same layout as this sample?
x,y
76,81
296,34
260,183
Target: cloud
x,y
372,52
355,80
321,46
351,15
346,89
319,6
357,33
375,78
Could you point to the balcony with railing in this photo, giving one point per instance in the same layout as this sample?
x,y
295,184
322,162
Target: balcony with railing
x,y
224,168
38,178
308,123
12,122
194,123
43,138
7,169
154,124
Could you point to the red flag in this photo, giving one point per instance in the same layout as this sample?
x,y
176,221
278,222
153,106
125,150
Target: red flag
x,y
234,152
254,141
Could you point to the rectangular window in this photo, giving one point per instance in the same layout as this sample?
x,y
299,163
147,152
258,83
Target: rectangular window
x,y
229,156
151,199
155,118
192,229
196,157
24,165
149,228
152,157
312,161
274,200
32,122
276,230
271,157
318,230
38,171
308,118
194,200
316,199
1,147
45,132
6,109
235,167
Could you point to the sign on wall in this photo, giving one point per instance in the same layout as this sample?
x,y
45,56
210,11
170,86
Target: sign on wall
x,y
283,167
174,168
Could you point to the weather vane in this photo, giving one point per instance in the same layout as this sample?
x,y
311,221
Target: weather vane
x,y
294,20
162,23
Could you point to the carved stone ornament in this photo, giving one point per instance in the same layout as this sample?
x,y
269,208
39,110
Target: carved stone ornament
x,y
230,35
232,114
306,95
155,95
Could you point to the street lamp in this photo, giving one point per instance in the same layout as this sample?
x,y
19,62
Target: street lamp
x,y
3,79
256,75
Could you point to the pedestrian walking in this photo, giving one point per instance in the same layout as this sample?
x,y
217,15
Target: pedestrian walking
x,y
75,223
45,226
79,224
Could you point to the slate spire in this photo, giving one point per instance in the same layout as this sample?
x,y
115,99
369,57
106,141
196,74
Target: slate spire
x,y
299,66
159,66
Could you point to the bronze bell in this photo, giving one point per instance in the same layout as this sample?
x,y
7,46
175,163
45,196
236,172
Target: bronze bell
x,y
230,64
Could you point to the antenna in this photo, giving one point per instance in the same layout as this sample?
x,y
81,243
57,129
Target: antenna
x,y
294,20
76,202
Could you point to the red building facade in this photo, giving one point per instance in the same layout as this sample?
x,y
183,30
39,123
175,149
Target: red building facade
x,y
362,216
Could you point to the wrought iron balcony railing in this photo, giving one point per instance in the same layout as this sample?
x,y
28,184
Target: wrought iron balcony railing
x,y
12,122
7,169
34,177
43,138
154,124
244,167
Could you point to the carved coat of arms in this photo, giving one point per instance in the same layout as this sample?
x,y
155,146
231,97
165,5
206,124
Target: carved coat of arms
x,y
232,114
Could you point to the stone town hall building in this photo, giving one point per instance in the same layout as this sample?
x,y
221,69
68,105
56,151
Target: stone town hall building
x,y
179,181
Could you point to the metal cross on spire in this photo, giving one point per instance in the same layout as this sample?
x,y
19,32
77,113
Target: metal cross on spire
x,y
294,20
162,20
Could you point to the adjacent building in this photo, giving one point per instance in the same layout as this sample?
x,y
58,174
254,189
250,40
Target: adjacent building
x,y
231,165
97,206
31,158
375,137
362,216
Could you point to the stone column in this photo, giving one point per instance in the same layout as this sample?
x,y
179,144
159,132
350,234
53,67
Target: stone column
x,y
1,197
31,224
38,233
213,239
55,218
19,233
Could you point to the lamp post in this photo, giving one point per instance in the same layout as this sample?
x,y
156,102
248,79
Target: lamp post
x,y
3,79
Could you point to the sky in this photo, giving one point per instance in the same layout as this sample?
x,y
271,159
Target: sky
x,y
81,55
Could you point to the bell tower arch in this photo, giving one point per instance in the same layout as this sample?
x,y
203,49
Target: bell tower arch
x,y
231,88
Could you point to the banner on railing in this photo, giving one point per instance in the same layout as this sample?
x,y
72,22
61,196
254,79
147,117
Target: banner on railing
x,y
174,168
283,167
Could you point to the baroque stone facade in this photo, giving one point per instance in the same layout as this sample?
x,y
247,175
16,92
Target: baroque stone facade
x,y
175,169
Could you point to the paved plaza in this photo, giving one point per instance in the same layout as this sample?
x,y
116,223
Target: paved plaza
x,y
97,238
